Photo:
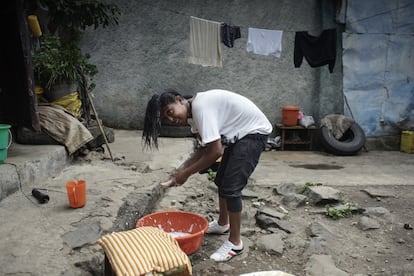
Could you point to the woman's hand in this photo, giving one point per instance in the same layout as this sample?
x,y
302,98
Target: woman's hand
x,y
180,177
169,183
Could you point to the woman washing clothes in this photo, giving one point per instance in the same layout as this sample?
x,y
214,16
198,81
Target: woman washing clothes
x,y
226,124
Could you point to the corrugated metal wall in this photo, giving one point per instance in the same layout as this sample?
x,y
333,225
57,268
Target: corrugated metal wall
x,y
378,65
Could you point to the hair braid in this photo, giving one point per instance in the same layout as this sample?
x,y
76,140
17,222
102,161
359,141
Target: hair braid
x,y
152,120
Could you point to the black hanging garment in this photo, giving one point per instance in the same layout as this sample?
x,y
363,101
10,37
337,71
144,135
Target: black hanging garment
x,y
229,33
317,50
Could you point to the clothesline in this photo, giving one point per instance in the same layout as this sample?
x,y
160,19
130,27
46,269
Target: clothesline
x,y
204,50
206,37
231,21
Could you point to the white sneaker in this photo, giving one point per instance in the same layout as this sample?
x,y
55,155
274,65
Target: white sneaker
x,y
227,251
215,228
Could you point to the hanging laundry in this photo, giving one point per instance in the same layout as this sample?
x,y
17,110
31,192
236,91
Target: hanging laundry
x,y
205,42
317,50
265,42
229,33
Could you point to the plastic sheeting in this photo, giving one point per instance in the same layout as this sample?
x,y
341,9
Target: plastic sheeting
x,y
378,63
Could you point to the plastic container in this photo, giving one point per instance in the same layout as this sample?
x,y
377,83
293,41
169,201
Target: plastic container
x,y
3,155
38,90
407,141
34,26
5,142
76,190
290,115
179,222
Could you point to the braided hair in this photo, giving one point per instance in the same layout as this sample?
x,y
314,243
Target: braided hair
x,y
152,120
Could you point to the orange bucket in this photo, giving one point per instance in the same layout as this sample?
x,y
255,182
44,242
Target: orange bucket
x,y
173,222
290,115
76,190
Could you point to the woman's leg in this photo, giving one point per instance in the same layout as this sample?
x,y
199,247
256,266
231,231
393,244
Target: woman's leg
x,y
239,161
235,222
224,214
226,217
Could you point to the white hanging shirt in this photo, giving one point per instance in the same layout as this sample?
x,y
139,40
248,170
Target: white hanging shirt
x,y
264,42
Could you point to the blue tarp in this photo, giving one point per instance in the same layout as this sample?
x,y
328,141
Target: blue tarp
x,y
378,63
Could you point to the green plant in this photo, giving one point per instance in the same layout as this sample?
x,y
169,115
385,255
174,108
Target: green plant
x,y
69,18
60,59
302,189
57,62
342,198
339,213
211,175
250,183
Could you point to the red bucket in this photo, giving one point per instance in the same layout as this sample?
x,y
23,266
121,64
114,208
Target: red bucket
x,y
290,115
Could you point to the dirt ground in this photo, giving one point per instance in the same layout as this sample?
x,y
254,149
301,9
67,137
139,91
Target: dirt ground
x,y
120,192
387,250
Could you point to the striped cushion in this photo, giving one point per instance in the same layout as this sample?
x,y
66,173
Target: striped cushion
x,y
145,250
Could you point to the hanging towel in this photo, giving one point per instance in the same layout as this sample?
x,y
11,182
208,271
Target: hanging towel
x,y
317,50
229,33
264,42
205,42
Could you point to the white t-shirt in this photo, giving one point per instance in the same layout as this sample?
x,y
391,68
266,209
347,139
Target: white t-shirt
x,y
221,114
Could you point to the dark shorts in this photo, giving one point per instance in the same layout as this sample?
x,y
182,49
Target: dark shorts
x,y
237,164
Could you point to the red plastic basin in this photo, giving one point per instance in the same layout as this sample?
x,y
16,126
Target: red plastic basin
x,y
179,221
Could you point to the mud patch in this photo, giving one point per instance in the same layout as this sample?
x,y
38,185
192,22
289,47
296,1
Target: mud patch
x,y
317,167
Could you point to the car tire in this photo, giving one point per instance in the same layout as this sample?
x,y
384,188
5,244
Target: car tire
x,y
175,131
350,143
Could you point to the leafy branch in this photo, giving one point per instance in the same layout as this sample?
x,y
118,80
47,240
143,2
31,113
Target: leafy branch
x,y
70,17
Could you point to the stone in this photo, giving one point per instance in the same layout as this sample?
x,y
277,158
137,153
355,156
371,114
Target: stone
x,y
273,213
85,233
322,194
366,223
273,243
376,192
323,265
264,222
294,200
286,188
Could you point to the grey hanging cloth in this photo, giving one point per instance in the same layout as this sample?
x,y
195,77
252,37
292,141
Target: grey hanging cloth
x,y
229,33
317,50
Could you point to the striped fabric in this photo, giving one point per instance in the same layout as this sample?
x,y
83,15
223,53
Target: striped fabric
x,y
145,250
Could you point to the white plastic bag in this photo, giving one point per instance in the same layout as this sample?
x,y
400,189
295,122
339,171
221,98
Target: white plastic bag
x,y
306,121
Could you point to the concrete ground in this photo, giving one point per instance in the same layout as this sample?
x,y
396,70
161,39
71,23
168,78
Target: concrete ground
x,y
53,239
